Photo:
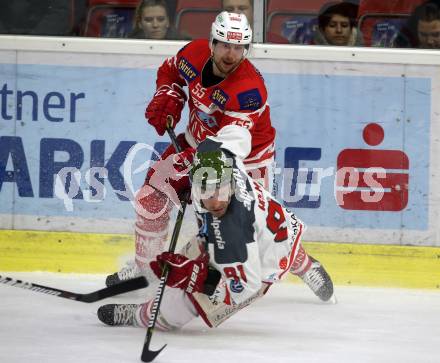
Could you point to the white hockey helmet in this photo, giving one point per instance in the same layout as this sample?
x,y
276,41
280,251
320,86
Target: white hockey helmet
x,y
231,28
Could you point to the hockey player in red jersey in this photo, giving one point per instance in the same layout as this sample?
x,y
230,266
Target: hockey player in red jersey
x,y
247,242
224,89
227,94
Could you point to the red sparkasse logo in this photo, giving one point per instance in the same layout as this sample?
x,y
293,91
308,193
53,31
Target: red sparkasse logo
x,y
235,36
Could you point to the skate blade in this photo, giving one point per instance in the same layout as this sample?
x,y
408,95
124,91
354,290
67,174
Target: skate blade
x,y
333,300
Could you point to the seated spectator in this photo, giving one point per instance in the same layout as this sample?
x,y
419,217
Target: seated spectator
x,y
422,29
337,25
30,17
246,7
152,21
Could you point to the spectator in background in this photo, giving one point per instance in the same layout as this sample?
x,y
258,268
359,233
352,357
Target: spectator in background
x,y
152,21
337,25
30,17
246,7
422,29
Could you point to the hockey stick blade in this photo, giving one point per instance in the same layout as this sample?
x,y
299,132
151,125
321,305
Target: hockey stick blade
x,y
123,287
149,355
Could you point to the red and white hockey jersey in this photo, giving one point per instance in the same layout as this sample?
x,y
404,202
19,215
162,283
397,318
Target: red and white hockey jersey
x,y
240,99
253,245
254,242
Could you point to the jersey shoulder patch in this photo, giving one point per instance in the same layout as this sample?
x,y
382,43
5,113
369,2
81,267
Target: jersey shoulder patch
x,y
187,70
250,100
191,58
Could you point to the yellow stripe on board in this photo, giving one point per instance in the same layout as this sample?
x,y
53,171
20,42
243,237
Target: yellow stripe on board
x,y
62,251
379,265
348,264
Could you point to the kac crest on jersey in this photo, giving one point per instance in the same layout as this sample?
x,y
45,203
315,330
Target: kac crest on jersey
x,y
208,120
250,100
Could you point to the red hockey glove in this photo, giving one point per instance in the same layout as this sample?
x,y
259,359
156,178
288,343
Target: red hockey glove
x,y
167,101
186,274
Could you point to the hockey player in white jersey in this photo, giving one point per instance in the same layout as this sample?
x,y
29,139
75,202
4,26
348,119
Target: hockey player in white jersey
x,y
247,242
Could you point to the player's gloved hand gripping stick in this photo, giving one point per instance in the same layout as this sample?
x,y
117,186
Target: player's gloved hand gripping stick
x,y
147,354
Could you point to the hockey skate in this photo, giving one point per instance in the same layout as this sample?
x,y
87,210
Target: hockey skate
x,y
136,315
319,281
126,273
118,314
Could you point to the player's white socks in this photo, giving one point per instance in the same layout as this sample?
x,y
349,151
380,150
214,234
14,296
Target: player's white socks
x,y
151,228
176,310
302,262
313,274
142,317
151,232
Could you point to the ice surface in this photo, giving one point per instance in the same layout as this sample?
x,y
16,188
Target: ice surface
x,y
287,325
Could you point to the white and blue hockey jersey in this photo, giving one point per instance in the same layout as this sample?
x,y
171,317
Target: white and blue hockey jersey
x,y
254,243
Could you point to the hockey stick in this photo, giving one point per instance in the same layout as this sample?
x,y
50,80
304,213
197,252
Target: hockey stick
x,y
147,354
125,286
